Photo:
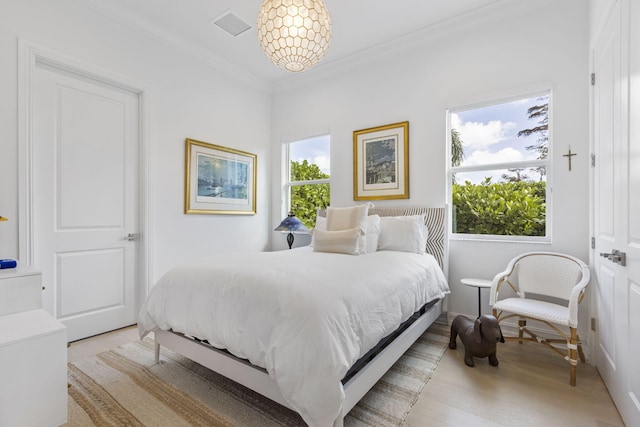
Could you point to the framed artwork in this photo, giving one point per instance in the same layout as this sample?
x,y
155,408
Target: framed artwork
x,y
219,180
381,162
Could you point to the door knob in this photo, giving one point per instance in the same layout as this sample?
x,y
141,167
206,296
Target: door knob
x,y
615,256
132,237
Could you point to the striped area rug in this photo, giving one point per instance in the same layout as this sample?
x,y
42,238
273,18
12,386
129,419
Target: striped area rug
x,y
124,387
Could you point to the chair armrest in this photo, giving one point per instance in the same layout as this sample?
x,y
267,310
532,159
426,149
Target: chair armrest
x,y
495,287
502,277
576,292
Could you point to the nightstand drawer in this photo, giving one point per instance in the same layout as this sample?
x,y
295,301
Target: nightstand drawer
x,y
20,290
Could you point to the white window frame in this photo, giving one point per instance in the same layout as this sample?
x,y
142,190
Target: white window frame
x,y
288,185
546,163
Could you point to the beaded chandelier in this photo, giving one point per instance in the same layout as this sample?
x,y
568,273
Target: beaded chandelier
x,y
294,34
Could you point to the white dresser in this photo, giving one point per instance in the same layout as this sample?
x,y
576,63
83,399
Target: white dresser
x,y
33,354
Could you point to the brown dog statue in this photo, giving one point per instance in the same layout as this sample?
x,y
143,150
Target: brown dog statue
x,y
479,338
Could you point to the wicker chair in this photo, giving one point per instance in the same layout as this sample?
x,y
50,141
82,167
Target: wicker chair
x,y
548,286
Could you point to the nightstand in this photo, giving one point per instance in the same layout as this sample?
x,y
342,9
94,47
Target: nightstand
x,y
33,354
477,283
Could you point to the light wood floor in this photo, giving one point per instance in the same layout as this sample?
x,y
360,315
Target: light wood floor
x,y
530,387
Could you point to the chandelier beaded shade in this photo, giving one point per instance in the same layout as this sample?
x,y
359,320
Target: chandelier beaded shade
x,y
294,34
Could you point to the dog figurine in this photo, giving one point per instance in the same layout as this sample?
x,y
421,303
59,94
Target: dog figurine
x,y
479,338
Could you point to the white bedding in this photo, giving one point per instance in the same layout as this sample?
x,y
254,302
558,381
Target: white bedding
x,y
304,316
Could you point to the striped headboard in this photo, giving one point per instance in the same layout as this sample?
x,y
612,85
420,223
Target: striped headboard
x,y
435,220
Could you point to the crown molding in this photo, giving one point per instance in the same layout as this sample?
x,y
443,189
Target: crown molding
x,y
158,34
496,11
481,16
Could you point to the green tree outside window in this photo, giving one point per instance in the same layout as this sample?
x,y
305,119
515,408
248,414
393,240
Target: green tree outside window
x,y
307,198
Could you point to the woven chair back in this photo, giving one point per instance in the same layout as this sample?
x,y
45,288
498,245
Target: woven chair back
x,y
548,274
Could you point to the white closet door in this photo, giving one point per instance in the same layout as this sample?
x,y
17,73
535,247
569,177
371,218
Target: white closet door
x,y
617,207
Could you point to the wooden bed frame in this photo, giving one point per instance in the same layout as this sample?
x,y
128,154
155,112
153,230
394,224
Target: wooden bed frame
x,y
256,379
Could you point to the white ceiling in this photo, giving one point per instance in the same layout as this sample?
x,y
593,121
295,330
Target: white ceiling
x,y
358,25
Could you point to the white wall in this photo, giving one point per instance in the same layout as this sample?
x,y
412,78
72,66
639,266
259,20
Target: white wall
x,y
538,45
598,11
188,99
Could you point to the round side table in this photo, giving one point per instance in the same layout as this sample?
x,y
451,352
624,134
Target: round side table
x,y
477,283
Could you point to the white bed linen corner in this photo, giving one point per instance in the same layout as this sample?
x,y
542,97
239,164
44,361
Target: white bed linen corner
x,y
305,332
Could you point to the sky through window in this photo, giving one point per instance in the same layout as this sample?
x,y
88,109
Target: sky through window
x,y
489,136
315,150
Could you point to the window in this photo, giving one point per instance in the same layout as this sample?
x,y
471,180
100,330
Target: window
x,y
307,186
498,173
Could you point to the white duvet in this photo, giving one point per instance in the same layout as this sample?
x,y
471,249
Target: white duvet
x,y
304,316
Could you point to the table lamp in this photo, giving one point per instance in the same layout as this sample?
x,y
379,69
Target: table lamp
x,y
291,224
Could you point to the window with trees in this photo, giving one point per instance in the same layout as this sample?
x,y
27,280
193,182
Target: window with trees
x,y
309,171
498,174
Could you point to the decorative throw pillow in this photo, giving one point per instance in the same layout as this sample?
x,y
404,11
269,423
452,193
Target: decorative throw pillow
x,y
347,218
339,219
342,242
403,234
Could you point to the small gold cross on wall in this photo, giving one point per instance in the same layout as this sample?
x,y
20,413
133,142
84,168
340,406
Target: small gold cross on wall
x,y
569,155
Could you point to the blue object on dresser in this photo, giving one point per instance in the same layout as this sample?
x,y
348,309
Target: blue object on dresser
x,y
8,263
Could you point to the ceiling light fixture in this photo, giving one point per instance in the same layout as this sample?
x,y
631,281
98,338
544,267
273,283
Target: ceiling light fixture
x,y
294,34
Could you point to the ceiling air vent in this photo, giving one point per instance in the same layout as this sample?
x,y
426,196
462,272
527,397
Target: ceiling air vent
x,y
230,22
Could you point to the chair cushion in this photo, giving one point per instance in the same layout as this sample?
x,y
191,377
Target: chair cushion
x,y
535,309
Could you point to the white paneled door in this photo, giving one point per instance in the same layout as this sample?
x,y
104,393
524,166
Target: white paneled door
x,y
616,97
85,199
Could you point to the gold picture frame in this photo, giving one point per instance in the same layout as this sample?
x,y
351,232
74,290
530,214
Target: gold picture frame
x,y
381,162
219,180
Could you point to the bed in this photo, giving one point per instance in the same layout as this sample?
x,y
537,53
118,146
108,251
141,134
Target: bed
x,y
311,329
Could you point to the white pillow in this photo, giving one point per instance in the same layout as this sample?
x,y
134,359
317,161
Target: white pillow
x,y
348,218
342,242
371,236
403,234
373,233
321,223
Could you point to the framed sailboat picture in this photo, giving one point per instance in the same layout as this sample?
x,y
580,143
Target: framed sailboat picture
x,y
219,180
